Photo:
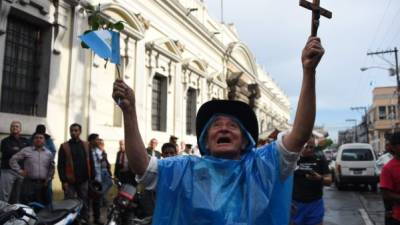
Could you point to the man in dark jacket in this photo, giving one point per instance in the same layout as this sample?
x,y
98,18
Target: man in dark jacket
x,y
122,171
75,168
9,146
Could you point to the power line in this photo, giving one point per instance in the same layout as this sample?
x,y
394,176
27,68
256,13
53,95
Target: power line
x,y
377,31
389,28
395,36
396,68
380,23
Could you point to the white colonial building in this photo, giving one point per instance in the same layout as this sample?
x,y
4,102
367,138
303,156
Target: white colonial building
x,y
174,55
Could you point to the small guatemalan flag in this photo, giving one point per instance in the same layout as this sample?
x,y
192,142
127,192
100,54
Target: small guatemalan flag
x,y
104,43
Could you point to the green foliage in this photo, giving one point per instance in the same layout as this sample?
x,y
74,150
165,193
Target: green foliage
x,y
97,22
325,144
119,26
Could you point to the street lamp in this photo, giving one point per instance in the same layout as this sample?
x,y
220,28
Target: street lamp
x,y
355,128
392,71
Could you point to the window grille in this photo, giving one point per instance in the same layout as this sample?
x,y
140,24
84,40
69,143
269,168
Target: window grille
x,y
382,112
20,84
156,103
191,111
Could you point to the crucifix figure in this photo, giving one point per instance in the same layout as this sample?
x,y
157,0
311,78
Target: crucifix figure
x,y
317,11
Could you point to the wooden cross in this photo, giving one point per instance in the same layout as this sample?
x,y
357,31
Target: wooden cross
x,y
317,11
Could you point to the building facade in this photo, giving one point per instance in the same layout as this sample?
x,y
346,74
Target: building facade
x,y
173,54
383,116
362,131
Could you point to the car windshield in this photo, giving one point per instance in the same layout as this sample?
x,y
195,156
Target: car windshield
x,y
357,155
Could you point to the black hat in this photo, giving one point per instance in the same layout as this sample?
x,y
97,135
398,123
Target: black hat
x,y
40,129
240,110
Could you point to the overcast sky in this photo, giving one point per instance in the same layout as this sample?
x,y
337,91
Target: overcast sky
x,y
276,31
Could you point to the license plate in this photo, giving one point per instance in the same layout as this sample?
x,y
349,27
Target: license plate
x,y
357,172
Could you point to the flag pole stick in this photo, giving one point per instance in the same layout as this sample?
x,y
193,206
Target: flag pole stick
x,y
119,77
119,74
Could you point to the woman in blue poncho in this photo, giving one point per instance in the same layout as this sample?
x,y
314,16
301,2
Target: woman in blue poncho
x,y
233,183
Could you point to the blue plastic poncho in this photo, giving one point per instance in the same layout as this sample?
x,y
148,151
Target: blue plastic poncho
x,y
214,191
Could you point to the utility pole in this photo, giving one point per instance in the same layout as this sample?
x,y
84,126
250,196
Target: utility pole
x,y
366,118
395,51
355,129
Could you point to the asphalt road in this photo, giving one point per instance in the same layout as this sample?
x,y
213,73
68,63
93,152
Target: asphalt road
x,y
353,206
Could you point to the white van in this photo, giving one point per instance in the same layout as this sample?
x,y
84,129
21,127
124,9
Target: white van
x,y
355,164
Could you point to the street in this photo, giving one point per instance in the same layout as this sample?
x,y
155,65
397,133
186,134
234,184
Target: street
x,y
354,206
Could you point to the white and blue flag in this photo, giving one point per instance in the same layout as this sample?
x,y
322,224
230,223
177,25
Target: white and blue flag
x,y
104,43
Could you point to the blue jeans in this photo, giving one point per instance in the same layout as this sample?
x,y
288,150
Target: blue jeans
x,y
106,182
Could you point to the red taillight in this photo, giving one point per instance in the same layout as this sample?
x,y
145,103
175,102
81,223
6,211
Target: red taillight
x,y
126,195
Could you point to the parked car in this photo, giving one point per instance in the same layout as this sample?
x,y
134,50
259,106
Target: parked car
x,y
381,161
355,164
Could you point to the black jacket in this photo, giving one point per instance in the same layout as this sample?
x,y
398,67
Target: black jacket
x,y
156,154
9,146
127,176
81,172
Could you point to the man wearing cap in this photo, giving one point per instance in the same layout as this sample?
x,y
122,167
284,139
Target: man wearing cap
x,y
232,183
390,180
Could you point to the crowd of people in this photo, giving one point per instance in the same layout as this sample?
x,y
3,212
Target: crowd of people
x,y
233,182
28,168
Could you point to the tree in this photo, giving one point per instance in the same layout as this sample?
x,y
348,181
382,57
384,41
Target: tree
x,y
325,144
